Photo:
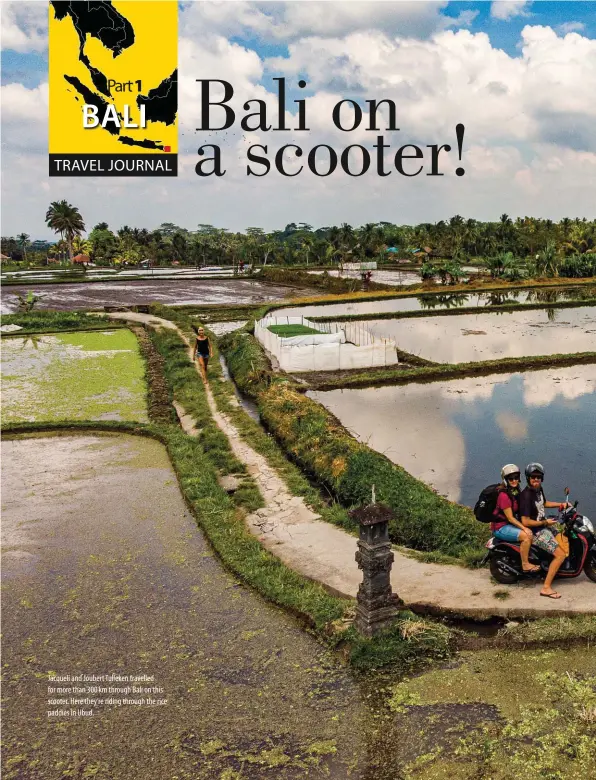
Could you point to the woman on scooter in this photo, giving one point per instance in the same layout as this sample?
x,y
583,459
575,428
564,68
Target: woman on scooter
x,y
532,505
507,526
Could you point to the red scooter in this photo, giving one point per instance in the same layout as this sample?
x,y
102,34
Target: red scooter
x,y
505,558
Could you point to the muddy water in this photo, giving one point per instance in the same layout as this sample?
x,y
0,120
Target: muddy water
x,y
456,435
434,301
393,278
105,572
168,292
249,406
470,337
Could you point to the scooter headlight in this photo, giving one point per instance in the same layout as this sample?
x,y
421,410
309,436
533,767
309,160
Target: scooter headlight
x,y
586,524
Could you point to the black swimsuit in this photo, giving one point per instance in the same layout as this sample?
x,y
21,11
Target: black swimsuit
x,y
203,348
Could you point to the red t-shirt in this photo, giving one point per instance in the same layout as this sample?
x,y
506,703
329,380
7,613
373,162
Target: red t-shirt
x,y
504,501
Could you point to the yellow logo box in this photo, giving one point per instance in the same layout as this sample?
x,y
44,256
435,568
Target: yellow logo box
x,y
113,81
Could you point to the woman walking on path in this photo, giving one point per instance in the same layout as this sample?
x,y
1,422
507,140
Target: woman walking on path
x,y
203,351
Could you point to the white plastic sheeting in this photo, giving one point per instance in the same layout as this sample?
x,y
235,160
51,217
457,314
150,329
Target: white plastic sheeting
x,y
356,346
315,338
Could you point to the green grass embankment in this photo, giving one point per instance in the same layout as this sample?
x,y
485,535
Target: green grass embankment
x,y
425,289
323,447
426,371
489,309
333,284
55,321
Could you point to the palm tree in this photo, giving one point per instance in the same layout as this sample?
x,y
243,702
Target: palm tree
x,y
65,219
23,239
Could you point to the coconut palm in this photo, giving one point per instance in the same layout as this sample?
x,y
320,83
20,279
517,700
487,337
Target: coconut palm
x,y
65,219
23,239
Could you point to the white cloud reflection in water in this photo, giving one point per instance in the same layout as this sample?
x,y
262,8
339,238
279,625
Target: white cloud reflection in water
x,y
456,435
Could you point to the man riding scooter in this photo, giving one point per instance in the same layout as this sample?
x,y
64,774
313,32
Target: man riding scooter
x,y
532,503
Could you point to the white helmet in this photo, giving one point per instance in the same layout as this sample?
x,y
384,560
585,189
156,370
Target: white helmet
x,y
508,470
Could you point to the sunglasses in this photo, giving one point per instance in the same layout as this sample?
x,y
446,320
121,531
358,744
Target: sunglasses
x,y
537,476
512,478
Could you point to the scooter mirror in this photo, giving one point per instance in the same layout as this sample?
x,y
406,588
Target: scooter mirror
x,y
567,491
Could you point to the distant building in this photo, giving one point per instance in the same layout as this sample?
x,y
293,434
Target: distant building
x,y
82,259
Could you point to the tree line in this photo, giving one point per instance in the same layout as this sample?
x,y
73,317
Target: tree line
x,y
506,246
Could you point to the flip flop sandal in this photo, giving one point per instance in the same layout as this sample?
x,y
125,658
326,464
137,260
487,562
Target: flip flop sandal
x,y
553,595
533,570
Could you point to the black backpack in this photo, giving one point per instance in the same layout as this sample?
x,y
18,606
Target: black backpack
x,y
487,503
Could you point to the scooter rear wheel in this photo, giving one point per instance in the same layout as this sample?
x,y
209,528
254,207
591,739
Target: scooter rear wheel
x,y
590,566
500,572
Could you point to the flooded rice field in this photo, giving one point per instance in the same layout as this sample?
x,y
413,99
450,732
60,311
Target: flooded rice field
x,y
113,273
464,338
106,573
222,328
456,435
393,278
180,292
94,375
435,301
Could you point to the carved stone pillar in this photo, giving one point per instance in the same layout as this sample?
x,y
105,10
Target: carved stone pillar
x,y
376,604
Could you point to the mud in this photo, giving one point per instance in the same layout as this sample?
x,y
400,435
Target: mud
x,y
66,297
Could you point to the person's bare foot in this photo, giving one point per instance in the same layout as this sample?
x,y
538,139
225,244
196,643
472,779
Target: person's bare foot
x,y
550,594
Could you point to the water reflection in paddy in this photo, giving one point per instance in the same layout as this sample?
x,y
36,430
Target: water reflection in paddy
x,y
439,301
469,337
456,435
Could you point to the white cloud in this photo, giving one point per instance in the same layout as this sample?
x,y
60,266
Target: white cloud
x,y
529,146
24,118
507,9
22,104
24,26
294,20
542,388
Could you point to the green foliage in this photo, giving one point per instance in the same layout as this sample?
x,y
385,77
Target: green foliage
x,y
333,284
323,447
28,302
550,630
578,266
104,244
448,271
286,331
408,643
50,321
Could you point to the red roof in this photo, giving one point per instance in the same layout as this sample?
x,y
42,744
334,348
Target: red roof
x,y
82,259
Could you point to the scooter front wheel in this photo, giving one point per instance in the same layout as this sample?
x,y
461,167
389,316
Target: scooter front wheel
x,y
500,569
590,566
